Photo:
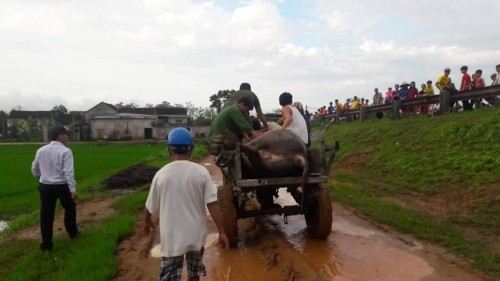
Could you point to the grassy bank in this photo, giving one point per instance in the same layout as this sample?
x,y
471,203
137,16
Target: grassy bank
x,y
435,178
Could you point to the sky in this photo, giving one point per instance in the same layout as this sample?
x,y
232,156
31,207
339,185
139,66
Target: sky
x,y
79,53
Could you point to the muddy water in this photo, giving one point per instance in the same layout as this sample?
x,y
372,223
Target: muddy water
x,y
356,250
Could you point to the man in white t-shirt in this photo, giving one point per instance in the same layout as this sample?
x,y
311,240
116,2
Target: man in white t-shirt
x,y
179,193
497,79
292,118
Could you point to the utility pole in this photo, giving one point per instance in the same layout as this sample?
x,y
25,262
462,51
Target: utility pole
x,y
73,125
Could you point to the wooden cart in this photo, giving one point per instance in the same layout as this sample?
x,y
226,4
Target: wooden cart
x,y
311,196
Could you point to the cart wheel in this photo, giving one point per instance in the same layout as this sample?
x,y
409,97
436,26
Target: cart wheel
x,y
318,211
228,213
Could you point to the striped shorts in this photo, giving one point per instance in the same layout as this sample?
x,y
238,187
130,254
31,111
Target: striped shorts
x,y
171,267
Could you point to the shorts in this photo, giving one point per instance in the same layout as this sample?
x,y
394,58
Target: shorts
x,y
171,267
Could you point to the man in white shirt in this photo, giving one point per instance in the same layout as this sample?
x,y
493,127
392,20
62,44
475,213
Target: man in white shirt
x,y
53,166
292,119
378,99
497,79
179,193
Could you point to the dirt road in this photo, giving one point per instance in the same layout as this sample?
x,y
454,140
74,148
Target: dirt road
x,y
271,250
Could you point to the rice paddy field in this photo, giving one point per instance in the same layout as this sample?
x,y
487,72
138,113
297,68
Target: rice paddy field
x,y
93,162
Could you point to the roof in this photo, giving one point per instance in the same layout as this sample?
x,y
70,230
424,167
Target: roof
x,y
107,104
155,110
21,114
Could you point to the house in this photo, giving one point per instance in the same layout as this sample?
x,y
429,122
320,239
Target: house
x,y
108,122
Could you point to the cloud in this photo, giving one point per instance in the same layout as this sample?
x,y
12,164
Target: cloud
x,y
369,46
78,54
38,101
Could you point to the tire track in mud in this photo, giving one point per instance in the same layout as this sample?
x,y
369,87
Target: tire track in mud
x,y
262,252
268,256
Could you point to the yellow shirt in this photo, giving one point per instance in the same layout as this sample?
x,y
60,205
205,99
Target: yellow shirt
x,y
443,82
429,90
355,104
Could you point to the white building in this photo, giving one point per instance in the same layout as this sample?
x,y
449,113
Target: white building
x,y
110,123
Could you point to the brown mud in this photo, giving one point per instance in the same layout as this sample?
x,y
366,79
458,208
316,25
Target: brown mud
x,y
269,249
92,212
89,213
134,176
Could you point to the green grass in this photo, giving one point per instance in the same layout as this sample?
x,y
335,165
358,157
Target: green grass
x,y
454,156
460,150
91,256
90,160
93,162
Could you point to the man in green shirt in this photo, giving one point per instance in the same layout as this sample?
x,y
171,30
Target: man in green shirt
x,y
246,91
232,119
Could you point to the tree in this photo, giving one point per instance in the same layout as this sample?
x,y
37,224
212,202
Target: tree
x,y
277,111
217,100
204,117
126,105
60,108
60,115
164,104
31,130
14,130
192,110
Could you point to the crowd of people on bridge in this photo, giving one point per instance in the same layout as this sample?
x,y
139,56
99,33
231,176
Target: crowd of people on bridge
x,y
410,90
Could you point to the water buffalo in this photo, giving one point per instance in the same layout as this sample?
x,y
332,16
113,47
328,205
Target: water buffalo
x,y
279,153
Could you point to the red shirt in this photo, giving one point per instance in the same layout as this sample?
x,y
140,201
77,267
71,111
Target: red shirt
x,y
413,93
466,80
479,82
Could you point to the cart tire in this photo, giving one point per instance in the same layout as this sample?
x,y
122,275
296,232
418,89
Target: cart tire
x,y
318,211
228,213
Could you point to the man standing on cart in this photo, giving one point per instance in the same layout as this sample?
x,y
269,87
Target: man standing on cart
x,y
246,91
232,121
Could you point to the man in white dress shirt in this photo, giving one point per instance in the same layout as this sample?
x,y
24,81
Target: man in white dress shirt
x,y
53,166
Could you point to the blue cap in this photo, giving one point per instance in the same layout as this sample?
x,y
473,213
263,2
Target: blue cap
x,y
180,136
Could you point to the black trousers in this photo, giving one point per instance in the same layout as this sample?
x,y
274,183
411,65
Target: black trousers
x,y
468,104
48,198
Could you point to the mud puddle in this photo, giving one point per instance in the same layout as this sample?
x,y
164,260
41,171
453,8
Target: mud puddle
x,y
355,250
269,249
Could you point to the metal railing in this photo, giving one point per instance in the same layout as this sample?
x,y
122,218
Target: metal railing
x,y
444,99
